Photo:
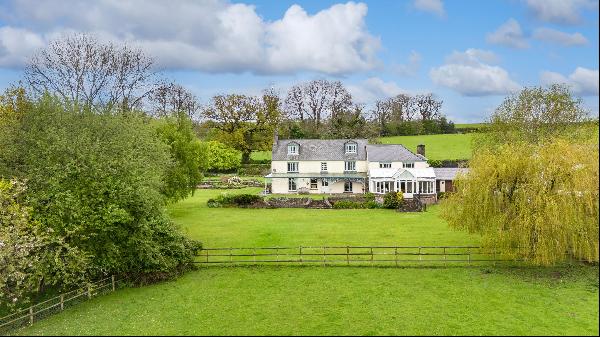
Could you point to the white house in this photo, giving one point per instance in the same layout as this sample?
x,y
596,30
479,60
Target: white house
x,y
354,166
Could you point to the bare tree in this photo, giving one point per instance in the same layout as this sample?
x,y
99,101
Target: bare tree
x,y
169,98
79,68
317,101
428,107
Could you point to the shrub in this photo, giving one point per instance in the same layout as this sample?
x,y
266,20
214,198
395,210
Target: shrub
x,y
392,200
369,196
226,200
371,204
221,158
346,204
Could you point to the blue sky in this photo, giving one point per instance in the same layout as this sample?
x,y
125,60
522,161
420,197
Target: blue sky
x,y
471,54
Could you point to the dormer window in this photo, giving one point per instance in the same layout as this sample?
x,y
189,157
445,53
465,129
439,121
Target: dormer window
x,y
350,148
292,149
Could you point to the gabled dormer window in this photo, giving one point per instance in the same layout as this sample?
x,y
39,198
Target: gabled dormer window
x,y
350,148
293,148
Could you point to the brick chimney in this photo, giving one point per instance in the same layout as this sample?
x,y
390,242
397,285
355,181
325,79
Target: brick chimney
x,y
421,149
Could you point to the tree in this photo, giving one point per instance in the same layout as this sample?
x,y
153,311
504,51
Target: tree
x,y
347,124
534,115
81,69
316,101
187,157
532,191
538,205
220,157
428,108
94,182
245,123
171,99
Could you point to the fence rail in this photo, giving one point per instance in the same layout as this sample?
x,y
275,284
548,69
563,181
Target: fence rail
x,y
56,304
340,255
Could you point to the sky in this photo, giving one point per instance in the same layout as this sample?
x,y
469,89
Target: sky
x,y
469,53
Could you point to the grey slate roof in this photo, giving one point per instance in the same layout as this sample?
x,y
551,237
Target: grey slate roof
x,y
320,149
392,152
448,173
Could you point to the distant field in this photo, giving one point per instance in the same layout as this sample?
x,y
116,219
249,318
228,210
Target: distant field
x,y
438,147
469,125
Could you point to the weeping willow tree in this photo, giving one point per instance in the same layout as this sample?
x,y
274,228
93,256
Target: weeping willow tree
x,y
532,198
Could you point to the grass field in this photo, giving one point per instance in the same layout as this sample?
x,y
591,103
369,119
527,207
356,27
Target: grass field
x,y
438,147
337,300
469,125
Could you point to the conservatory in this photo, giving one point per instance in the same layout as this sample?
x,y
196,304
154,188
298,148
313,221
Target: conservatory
x,y
410,181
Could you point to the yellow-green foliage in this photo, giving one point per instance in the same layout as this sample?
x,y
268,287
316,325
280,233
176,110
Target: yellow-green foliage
x,y
531,201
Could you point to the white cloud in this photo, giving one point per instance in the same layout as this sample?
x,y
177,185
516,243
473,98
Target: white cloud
x,y
374,88
583,81
211,36
562,38
509,34
431,6
560,11
410,68
471,74
16,45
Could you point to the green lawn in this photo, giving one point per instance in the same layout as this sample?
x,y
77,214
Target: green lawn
x,y
231,227
341,301
470,125
302,300
446,146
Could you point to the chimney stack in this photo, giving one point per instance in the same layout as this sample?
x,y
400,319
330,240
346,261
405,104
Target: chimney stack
x,y
275,138
421,149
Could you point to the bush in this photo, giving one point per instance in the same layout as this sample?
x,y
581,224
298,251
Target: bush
x,y
393,200
371,204
235,200
221,158
346,204
369,196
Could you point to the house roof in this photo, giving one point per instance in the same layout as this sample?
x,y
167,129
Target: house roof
x,y
320,149
448,173
394,173
392,152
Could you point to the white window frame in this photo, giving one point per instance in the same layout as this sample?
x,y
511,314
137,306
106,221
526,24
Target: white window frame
x,y
315,185
293,164
292,184
350,166
324,183
346,184
426,187
385,165
323,166
408,165
351,148
293,149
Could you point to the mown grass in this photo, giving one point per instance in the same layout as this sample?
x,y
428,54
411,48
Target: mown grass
x,y
235,227
343,301
437,147
303,300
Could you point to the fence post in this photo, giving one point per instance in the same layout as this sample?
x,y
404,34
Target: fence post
x,y
89,291
230,255
347,255
254,254
62,302
396,255
469,255
300,254
112,279
420,257
323,256
206,256
444,256
277,253
31,315
371,255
